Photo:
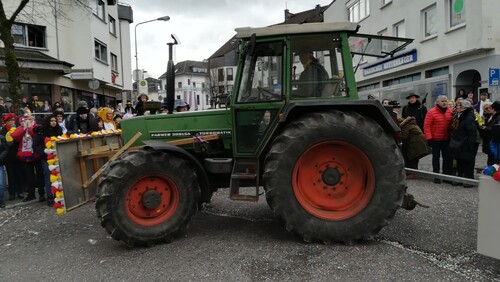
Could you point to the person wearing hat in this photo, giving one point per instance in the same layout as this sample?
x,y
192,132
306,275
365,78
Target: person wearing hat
x,y
310,80
415,109
464,141
129,108
436,124
182,106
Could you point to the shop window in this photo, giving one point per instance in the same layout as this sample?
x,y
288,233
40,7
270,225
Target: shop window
x,y
402,79
457,12
430,21
437,72
29,35
101,51
369,87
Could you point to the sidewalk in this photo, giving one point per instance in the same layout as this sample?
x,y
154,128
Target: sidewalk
x,y
481,158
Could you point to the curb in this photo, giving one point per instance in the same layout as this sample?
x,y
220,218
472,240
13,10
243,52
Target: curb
x,y
20,204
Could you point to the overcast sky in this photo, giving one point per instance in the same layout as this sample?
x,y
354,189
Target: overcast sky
x,y
202,26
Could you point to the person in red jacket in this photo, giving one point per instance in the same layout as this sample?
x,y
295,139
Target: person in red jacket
x,y
436,124
24,136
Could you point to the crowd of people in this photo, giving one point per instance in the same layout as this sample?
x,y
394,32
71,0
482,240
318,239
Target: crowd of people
x,y
451,131
22,136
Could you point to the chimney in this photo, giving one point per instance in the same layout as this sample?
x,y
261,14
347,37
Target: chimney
x,y
317,11
288,15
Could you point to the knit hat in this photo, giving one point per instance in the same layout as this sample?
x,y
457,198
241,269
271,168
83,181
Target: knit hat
x,y
7,117
496,106
82,103
82,110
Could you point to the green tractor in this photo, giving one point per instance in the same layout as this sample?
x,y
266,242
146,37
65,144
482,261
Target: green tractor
x,y
329,163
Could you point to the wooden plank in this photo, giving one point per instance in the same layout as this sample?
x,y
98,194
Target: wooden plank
x,y
100,149
120,151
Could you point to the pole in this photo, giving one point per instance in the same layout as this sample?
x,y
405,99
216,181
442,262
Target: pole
x,y
171,77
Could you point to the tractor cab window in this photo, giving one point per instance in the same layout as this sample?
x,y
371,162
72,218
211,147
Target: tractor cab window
x,y
317,68
262,76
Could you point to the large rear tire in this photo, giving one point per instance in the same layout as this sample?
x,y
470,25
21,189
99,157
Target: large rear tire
x,y
334,176
146,197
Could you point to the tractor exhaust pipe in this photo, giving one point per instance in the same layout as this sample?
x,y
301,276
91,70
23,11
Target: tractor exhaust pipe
x,y
171,76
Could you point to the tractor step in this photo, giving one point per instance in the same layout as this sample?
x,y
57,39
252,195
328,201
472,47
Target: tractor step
x,y
245,173
244,198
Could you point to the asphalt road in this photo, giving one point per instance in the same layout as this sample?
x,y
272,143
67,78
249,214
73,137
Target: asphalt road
x,y
237,241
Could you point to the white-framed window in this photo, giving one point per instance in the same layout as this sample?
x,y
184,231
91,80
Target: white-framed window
x,y
112,25
99,8
358,10
29,35
399,29
429,17
114,62
101,51
457,12
229,72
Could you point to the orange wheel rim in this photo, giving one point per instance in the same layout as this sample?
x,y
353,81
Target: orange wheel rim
x,y
333,180
152,200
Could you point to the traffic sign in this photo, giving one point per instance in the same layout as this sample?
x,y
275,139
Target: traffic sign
x,y
494,77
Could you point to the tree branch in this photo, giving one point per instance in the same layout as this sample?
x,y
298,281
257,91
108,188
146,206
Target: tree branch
x,y
18,10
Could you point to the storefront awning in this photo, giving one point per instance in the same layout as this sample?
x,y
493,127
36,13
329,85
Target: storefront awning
x,y
32,59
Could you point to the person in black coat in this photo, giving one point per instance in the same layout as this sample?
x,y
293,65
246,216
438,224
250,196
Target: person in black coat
x,y
141,101
415,109
14,167
464,140
49,129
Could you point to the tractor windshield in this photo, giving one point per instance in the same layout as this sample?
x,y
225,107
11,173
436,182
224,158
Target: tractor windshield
x,y
316,68
262,77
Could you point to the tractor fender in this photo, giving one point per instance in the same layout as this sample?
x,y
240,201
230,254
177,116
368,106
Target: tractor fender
x,y
206,193
369,108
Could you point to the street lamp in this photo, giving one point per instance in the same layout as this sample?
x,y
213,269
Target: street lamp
x,y
164,18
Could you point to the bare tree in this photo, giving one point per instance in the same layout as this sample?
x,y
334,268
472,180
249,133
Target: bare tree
x,y
13,70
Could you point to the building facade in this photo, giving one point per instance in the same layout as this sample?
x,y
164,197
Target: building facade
x,y
72,52
191,84
455,46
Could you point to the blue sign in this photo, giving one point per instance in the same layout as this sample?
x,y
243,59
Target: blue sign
x,y
494,77
394,62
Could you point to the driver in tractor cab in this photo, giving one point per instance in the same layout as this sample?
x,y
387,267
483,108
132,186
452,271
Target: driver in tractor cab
x,y
310,80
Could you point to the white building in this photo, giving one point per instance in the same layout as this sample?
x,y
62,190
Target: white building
x,y
455,44
191,84
73,52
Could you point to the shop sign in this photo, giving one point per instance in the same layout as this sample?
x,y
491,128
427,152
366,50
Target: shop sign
x,y
403,59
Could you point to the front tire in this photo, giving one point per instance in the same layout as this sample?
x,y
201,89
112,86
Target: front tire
x,y
146,197
334,176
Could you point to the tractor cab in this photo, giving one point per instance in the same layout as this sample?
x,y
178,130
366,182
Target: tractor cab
x,y
296,64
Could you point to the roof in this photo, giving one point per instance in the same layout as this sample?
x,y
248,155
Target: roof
x,y
309,16
36,60
189,68
245,32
